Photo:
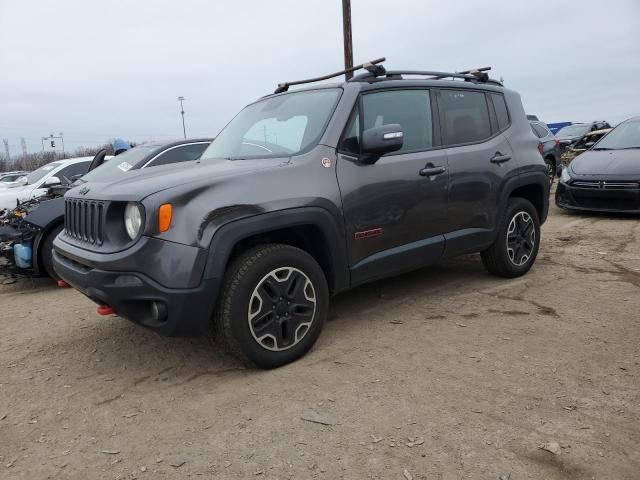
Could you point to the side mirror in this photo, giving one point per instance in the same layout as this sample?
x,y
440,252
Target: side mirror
x,y
51,181
589,144
377,141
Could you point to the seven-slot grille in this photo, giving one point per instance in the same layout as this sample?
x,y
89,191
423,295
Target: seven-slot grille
x,y
83,220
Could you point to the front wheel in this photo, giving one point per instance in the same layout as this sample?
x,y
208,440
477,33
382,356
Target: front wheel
x,y
516,246
273,305
46,255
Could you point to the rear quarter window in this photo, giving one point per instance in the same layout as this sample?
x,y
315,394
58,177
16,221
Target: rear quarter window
x,y
502,113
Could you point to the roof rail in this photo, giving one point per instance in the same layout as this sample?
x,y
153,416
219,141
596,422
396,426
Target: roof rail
x,y
371,66
473,75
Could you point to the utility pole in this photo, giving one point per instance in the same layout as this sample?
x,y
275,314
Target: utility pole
x,y
23,144
346,34
184,130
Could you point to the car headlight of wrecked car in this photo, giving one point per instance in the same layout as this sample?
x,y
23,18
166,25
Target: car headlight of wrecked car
x,y
133,219
565,177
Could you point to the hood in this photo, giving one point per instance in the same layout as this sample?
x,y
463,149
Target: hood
x,y
139,184
608,162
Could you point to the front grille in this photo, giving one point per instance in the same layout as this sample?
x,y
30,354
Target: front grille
x,y
605,185
84,220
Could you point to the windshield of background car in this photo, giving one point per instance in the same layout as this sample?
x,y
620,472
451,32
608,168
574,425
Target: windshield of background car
x,y
120,164
572,131
274,127
36,175
625,135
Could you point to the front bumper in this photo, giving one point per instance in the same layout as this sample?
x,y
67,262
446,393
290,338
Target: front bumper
x,y
137,297
615,200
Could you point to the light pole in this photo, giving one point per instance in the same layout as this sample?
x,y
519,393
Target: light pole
x,y
184,130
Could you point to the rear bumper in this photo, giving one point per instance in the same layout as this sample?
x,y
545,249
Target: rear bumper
x,y
139,298
598,200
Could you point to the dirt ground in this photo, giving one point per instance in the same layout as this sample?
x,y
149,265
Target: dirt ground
x,y
445,373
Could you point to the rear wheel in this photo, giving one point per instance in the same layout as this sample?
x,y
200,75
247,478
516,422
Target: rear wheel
x,y
551,168
516,246
46,255
273,305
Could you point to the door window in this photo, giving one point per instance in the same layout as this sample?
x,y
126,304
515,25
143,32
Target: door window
x,y
70,173
411,109
466,117
183,153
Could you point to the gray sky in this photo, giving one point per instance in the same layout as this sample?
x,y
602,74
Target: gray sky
x,y
97,70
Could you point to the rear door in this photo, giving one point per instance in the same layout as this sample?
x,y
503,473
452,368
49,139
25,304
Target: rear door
x,y
394,215
479,159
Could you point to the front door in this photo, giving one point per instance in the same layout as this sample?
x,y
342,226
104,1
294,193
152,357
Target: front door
x,y
395,210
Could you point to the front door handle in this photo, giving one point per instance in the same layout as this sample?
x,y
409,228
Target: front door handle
x,y
430,170
500,158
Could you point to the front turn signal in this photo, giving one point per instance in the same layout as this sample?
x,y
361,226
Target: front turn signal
x,y
165,215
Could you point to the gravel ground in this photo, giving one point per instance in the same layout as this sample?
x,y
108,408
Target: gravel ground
x,y
445,373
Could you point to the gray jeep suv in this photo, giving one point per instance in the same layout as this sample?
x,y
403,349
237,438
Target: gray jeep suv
x,y
306,194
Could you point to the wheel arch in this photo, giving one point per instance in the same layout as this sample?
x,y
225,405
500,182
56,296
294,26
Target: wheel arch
x,y
312,229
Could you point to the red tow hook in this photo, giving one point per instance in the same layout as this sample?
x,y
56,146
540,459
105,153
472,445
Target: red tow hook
x,y
105,310
63,284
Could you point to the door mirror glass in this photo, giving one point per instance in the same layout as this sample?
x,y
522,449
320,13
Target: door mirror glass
x,y
377,141
51,181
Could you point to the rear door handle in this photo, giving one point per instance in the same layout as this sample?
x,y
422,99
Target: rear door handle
x,y
430,171
499,158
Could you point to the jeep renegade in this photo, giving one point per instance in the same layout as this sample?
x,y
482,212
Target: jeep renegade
x,y
308,193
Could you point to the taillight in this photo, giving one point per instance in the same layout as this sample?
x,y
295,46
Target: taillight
x,y
541,148
557,143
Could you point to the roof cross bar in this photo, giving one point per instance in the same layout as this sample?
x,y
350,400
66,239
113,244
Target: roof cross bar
x,y
370,66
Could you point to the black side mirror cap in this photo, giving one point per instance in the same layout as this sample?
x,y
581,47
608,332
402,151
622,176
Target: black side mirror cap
x,y
377,141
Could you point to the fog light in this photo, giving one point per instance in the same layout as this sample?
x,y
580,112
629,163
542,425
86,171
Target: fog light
x,y
158,311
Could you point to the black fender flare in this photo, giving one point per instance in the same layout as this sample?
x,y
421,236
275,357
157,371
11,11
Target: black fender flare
x,y
524,179
37,241
228,236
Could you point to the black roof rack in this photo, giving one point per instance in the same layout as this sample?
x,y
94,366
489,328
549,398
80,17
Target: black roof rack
x,y
476,75
371,66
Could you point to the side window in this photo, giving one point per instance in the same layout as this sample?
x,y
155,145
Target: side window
x,y
70,173
411,109
539,130
466,117
502,113
351,138
183,153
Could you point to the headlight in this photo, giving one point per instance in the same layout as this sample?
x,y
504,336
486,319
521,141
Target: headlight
x,y
133,219
565,177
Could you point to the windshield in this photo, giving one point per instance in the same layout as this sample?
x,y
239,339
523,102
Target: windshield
x,y
625,135
572,131
36,175
279,126
120,164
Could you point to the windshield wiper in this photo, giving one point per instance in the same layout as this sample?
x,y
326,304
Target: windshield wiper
x,y
630,148
603,148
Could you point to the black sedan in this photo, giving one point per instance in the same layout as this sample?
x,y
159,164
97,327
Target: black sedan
x,y
605,178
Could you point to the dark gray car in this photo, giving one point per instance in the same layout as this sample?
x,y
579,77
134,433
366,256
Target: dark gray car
x,y
549,148
572,133
306,194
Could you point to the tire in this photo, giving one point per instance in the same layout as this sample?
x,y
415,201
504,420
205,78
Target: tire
x,y
505,259
46,252
551,168
293,283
